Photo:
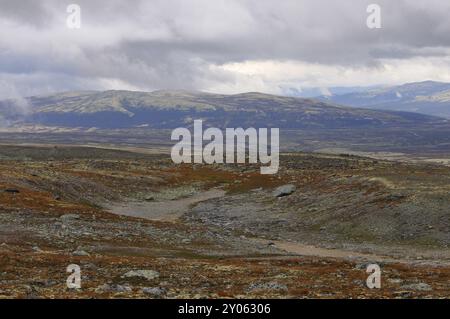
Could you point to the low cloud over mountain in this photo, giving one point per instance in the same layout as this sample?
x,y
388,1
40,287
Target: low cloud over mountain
x,y
220,46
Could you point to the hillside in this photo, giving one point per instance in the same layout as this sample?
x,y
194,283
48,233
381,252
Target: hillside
x,y
112,213
170,109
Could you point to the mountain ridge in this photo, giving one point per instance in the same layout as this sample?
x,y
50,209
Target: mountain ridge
x,y
426,97
174,108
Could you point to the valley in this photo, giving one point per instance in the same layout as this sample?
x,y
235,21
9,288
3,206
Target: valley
x,y
228,235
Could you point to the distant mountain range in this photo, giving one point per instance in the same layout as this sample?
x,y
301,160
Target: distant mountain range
x,y
170,109
431,98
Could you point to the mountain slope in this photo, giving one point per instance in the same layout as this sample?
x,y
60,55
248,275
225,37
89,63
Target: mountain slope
x,y
170,109
432,98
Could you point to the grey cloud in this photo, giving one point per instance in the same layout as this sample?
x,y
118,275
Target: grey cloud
x,y
170,44
29,12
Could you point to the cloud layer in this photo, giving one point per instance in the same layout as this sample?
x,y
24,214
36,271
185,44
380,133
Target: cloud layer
x,y
220,45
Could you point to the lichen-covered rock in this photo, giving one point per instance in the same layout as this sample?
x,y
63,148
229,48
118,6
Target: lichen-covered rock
x,y
273,285
146,274
154,291
421,286
284,190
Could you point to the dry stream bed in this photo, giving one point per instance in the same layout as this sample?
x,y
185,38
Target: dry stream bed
x,y
219,231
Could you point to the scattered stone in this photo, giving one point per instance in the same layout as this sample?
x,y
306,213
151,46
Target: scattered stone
x,y
284,190
154,291
80,252
186,241
273,285
395,280
90,266
149,198
146,274
28,289
395,197
361,266
403,294
67,217
37,249
421,286
113,288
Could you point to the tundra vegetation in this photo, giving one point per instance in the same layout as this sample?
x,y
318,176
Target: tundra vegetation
x,y
308,231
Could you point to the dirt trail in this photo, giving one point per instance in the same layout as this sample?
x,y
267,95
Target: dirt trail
x,y
168,210
308,250
171,210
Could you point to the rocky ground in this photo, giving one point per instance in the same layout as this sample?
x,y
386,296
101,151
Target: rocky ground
x,y
228,232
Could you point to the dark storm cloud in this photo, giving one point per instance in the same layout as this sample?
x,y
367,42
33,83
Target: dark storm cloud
x,y
182,44
25,12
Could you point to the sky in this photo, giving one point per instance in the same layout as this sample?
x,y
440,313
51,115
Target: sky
x,y
221,46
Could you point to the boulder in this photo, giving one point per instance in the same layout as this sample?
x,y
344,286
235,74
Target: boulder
x,y
284,190
268,286
146,274
421,286
80,252
154,291
67,217
113,288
